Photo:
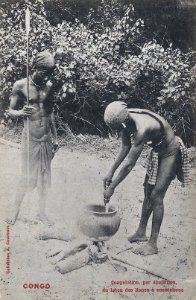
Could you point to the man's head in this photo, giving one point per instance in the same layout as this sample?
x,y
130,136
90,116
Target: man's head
x,y
44,64
116,114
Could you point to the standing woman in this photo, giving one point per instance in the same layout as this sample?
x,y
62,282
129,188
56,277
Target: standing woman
x,y
168,159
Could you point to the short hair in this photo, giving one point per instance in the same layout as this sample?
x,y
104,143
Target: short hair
x,y
116,113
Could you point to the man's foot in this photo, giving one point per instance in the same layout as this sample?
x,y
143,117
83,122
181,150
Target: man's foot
x,y
147,249
44,219
46,235
13,214
137,238
11,220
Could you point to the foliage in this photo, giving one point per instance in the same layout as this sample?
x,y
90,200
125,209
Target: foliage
x,y
106,58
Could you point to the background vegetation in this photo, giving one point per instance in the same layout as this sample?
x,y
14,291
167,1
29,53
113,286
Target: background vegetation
x,y
105,51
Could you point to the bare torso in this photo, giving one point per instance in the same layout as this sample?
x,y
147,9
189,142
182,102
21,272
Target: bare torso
x,y
154,127
39,121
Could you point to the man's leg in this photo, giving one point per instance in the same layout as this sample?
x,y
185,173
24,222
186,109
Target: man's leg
x,y
140,235
20,193
166,170
42,195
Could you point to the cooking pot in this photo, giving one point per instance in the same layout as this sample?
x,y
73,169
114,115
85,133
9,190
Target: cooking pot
x,y
97,224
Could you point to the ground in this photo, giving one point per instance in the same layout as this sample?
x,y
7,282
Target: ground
x,y
77,174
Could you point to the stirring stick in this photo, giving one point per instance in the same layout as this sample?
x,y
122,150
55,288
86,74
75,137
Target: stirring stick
x,y
107,207
107,203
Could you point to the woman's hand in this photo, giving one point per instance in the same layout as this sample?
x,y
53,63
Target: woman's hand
x,y
107,180
107,194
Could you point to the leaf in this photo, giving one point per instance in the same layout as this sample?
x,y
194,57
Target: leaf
x,y
127,82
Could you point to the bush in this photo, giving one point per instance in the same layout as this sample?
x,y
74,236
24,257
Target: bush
x,y
106,58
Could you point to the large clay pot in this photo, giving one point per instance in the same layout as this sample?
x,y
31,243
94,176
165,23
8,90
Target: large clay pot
x,y
97,224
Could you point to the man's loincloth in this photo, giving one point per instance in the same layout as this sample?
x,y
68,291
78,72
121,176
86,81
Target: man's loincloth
x,y
182,169
40,156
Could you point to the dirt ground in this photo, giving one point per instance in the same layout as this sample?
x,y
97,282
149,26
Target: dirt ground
x,y
76,181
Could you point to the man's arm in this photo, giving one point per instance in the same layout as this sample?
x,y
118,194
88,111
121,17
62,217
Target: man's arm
x,y
15,99
125,147
53,127
14,102
13,112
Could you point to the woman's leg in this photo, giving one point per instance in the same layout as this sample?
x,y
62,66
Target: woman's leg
x,y
165,175
147,207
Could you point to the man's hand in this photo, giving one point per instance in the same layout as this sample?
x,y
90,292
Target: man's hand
x,y
107,180
27,110
55,146
107,194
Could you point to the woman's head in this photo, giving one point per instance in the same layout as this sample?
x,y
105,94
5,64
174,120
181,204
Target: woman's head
x,y
116,114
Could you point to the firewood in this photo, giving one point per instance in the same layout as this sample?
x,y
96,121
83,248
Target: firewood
x,y
73,262
58,257
76,246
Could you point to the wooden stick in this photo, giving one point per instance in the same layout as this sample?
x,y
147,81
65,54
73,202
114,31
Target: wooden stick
x,y
27,23
125,250
115,257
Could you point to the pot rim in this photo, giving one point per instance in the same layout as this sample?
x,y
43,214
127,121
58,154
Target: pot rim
x,y
87,209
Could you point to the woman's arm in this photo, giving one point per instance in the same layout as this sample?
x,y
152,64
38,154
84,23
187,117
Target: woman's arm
x,y
133,155
125,147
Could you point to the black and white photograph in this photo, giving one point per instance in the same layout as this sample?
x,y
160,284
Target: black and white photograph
x,y
97,149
